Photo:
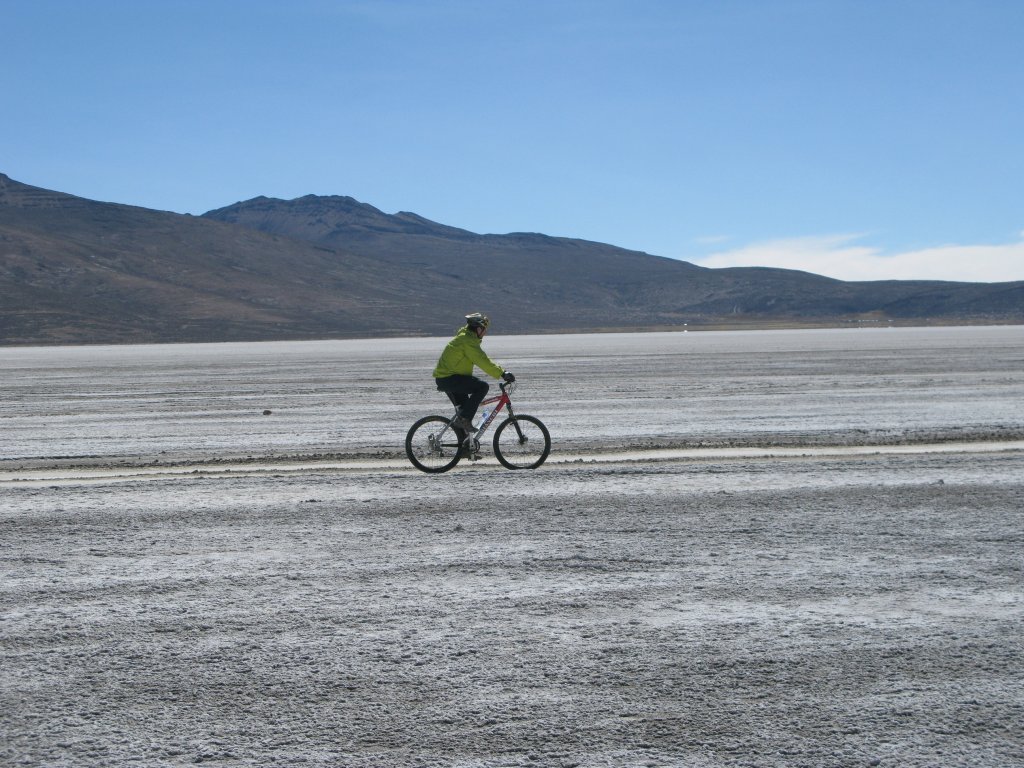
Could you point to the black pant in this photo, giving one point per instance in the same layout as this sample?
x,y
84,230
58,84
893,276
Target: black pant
x,y
466,392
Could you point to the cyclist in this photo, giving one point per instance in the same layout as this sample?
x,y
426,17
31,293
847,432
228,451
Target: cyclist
x,y
454,372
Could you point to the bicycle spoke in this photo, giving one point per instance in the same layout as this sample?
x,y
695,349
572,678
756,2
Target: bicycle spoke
x,y
522,442
432,445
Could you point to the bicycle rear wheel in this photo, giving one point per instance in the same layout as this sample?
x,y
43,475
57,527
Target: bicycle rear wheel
x,y
433,446
522,442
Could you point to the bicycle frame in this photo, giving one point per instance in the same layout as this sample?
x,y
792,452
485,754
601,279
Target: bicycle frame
x,y
503,401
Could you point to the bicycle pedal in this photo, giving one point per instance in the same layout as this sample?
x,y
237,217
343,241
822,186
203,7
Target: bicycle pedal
x,y
471,449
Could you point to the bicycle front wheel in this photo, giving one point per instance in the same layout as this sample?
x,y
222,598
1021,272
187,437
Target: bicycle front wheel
x,y
522,442
433,446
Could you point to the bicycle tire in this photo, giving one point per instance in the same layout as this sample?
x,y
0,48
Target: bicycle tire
x,y
522,442
423,450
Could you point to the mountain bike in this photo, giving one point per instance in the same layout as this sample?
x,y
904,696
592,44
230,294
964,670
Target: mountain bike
x,y
435,444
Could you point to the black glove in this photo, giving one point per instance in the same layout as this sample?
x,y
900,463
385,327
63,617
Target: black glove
x,y
508,377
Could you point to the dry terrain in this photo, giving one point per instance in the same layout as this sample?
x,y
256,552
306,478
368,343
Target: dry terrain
x,y
747,549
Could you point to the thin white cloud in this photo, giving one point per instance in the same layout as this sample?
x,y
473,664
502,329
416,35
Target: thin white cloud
x,y
841,257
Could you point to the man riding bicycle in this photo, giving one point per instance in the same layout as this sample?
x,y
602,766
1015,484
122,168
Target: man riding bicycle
x,y
454,372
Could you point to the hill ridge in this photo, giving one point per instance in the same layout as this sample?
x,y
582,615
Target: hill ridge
x,y
79,271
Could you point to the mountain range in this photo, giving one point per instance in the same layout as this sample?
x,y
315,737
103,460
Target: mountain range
x,y
79,271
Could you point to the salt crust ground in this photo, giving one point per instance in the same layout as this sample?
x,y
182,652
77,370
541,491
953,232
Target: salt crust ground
x,y
801,611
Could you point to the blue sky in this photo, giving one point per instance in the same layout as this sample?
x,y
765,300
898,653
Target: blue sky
x,y
863,139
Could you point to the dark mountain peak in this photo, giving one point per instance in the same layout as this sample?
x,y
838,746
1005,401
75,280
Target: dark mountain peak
x,y
327,219
37,201
14,194
340,201
338,204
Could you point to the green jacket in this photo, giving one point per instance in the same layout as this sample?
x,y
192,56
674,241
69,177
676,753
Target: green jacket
x,y
462,353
